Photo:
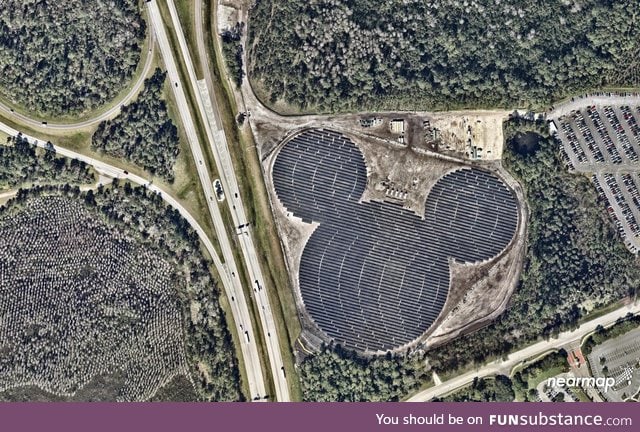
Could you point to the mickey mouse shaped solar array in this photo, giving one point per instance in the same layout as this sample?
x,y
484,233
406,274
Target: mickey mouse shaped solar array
x,y
375,276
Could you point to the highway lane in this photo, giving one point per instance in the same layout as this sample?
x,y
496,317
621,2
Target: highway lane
x,y
240,318
515,358
208,110
10,114
238,301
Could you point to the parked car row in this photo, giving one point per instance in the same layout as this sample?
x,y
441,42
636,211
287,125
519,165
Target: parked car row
x,y
565,156
621,136
574,143
588,138
604,135
629,116
632,189
612,183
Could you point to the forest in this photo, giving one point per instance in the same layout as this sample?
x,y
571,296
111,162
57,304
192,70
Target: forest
x,y
601,334
335,374
526,380
22,163
67,57
232,50
493,389
143,132
161,228
341,55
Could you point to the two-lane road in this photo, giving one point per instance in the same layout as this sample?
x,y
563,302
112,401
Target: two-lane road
x,y
240,317
22,119
500,366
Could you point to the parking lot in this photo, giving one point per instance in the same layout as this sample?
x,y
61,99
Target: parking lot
x,y
618,358
605,141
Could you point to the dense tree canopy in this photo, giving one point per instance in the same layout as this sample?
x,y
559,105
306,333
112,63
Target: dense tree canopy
x,y
22,163
61,57
143,133
495,389
339,375
346,54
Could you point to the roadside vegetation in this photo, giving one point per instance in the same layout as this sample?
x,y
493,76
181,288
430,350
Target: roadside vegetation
x,y
24,163
338,55
232,51
67,57
494,389
338,375
118,287
526,380
603,334
143,132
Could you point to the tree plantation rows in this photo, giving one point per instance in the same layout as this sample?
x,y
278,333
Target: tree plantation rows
x,y
21,163
80,299
210,351
64,57
143,132
337,55
108,283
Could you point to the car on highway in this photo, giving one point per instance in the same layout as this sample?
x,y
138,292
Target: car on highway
x,y
217,186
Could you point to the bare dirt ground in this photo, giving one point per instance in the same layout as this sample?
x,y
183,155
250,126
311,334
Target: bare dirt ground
x,y
399,174
482,129
228,13
448,133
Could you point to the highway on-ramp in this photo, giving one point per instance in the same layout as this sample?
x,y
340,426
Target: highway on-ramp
x,y
501,365
11,114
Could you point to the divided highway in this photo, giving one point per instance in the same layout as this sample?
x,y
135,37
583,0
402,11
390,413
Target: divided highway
x,y
224,165
236,296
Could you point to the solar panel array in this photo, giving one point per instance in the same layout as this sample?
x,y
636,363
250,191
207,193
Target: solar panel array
x,y
375,276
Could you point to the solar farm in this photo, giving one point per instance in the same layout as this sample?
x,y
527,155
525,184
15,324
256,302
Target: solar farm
x,y
375,276
604,141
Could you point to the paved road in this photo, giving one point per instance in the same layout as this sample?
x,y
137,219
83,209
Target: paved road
x,y
230,272
22,119
240,317
500,366
220,149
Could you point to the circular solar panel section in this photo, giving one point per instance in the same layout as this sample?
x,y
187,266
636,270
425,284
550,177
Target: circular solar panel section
x,y
374,276
317,172
474,211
